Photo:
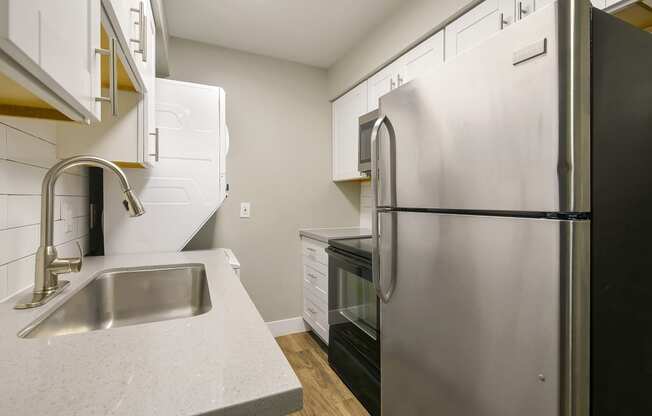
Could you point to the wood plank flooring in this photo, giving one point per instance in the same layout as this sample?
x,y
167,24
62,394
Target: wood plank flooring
x,y
324,394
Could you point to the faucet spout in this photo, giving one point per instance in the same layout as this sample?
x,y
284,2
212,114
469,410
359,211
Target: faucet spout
x,y
48,264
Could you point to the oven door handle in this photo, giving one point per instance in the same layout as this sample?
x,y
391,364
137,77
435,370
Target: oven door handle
x,y
377,269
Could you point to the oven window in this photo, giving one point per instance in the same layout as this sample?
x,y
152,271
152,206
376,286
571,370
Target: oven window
x,y
357,302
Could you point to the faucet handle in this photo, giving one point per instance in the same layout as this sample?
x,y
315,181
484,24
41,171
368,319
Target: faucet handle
x,y
76,263
67,264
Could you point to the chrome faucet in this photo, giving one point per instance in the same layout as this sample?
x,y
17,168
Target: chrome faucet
x,y
48,264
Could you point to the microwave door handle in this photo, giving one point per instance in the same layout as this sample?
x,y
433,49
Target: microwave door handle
x,y
376,272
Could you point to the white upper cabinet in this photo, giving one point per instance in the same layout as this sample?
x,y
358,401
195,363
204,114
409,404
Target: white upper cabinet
x,y
383,82
51,63
126,17
478,24
346,111
423,58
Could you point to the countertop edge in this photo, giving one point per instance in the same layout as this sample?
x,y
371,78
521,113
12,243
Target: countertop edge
x,y
325,234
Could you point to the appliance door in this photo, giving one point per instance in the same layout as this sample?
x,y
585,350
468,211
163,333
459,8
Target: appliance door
x,y
364,140
473,326
483,131
352,296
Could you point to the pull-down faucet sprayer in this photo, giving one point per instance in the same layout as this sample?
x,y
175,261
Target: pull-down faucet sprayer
x,y
48,264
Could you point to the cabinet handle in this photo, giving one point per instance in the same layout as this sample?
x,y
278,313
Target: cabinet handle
x,y
156,144
311,249
113,73
392,84
312,276
522,10
312,311
400,80
142,31
503,22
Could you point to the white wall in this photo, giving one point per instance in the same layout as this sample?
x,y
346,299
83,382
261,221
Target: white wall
x,y
279,119
27,149
411,22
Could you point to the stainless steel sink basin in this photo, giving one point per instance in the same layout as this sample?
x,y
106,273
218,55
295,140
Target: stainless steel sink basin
x,y
123,297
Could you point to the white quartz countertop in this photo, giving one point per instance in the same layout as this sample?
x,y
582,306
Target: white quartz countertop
x,y
224,362
325,234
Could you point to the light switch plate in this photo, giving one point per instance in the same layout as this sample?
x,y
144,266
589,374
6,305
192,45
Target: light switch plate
x,y
245,210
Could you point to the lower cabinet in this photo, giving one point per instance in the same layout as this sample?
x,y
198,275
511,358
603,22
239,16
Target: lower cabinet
x,y
315,286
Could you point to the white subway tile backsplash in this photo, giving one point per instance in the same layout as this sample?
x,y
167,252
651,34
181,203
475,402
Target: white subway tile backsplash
x,y
78,206
20,274
20,179
22,147
23,210
19,242
3,212
4,292
69,184
43,129
3,141
27,149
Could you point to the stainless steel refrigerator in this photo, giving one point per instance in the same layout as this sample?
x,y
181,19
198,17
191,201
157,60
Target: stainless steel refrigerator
x,y
512,225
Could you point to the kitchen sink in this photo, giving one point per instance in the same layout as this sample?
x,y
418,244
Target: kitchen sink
x,y
123,297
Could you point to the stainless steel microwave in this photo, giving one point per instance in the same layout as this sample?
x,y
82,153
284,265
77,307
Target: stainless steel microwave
x,y
366,125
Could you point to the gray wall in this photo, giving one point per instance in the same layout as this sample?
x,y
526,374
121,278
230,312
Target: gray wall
x,y
279,119
411,21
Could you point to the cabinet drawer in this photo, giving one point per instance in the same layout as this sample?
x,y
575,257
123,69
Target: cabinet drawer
x,y
316,317
317,281
315,251
320,267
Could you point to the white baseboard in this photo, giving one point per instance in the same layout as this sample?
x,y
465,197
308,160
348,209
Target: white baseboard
x,y
287,326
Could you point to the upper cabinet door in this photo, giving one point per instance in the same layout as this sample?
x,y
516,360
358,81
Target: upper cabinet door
x,y
477,25
69,33
383,82
54,42
346,112
423,58
141,41
125,17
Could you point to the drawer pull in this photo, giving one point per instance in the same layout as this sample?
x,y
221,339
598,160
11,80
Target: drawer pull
x,y
313,276
312,311
311,249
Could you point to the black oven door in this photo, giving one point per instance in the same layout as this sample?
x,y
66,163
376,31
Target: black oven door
x,y
352,296
353,318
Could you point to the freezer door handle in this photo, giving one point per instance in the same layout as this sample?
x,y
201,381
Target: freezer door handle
x,y
389,177
387,264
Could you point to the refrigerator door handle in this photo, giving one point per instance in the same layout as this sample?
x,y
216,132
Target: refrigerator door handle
x,y
376,271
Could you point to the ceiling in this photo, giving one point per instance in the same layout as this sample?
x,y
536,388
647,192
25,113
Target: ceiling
x,y
312,32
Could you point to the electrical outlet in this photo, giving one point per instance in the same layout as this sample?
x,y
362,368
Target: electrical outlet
x,y
245,210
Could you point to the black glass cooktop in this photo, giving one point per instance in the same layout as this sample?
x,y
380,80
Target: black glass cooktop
x,y
358,246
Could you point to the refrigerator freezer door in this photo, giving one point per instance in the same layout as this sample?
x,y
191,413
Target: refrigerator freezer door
x,y
474,325
483,131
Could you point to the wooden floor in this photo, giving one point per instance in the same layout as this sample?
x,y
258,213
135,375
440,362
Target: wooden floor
x,y
324,394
